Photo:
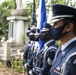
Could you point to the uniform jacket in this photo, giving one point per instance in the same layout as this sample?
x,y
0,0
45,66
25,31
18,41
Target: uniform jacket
x,y
69,67
25,55
41,53
48,59
61,57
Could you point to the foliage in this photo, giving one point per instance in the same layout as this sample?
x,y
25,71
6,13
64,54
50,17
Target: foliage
x,y
5,11
58,43
10,71
29,10
17,64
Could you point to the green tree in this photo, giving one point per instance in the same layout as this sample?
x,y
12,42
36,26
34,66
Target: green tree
x,y
29,9
5,11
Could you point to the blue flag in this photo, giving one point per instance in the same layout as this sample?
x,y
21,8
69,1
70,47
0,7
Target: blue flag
x,y
41,18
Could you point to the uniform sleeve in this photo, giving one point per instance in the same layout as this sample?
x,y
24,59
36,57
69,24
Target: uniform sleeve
x,y
71,67
26,52
48,63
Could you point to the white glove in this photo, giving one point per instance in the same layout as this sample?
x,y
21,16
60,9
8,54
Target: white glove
x,y
30,72
26,65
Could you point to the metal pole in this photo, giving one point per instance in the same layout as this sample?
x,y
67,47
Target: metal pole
x,y
33,14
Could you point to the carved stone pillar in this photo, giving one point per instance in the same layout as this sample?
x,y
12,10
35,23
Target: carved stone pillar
x,y
18,25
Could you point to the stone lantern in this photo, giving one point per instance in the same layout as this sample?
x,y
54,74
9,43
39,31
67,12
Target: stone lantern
x,y
18,24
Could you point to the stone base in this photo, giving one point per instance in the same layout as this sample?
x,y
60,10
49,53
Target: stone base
x,y
18,12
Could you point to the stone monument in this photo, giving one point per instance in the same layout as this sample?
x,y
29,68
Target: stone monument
x,y
18,23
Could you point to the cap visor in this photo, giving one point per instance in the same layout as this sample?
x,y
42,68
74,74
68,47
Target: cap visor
x,y
31,34
44,29
37,34
55,20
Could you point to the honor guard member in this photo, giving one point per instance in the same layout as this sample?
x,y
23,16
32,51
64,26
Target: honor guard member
x,y
25,58
32,60
31,36
64,28
44,34
30,49
48,56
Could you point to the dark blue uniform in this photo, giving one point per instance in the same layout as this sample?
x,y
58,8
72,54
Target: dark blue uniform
x,y
60,59
25,55
29,55
37,61
41,54
71,66
31,49
48,60
32,60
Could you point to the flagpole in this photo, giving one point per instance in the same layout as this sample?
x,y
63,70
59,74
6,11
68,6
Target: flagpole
x,y
33,14
41,18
